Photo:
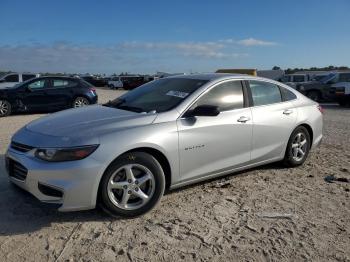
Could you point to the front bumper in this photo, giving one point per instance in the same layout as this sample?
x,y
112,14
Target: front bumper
x,y
76,180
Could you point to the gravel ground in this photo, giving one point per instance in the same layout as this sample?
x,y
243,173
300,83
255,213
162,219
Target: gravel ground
x,y
265,214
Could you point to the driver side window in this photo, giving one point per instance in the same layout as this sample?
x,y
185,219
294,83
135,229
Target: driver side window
x,y
227,96
37,84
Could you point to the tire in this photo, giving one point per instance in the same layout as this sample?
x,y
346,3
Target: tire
x,y
80,102
122,193
314,95
293,156
5,108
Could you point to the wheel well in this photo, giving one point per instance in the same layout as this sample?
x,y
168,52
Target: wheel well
x,y
309,129
161,158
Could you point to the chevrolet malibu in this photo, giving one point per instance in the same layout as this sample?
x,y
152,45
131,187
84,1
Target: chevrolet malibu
x,y
165,134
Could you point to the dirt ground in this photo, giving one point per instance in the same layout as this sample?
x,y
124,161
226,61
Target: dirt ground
x,y
268,213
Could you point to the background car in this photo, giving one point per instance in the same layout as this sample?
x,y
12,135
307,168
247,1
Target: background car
x,y
126,82
324,89
115,82
45,94
11,79
95,81
166,134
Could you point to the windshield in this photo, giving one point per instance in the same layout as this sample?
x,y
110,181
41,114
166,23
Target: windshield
x,y
157,96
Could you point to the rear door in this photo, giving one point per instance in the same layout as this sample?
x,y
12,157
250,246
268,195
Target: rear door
x,y
274,119
208,145
60,93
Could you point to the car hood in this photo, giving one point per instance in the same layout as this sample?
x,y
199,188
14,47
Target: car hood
x,y
88,122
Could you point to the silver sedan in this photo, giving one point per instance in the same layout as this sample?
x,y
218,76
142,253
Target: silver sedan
x,y
165,134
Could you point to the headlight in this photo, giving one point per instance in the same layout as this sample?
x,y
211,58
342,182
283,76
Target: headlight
x,y
64,154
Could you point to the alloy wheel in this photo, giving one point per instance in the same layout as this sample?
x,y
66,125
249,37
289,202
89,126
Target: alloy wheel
x,y
80,102
4,108
131,186
299,147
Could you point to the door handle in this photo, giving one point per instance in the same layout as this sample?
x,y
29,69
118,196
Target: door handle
x,y
243,119
287,111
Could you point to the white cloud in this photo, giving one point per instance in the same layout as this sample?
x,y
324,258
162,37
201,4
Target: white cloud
x,y
125,56
255,42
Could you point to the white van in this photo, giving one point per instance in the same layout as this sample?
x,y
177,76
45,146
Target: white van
x,y
11,79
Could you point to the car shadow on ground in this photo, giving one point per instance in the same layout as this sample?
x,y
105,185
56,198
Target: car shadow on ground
x,y
22,213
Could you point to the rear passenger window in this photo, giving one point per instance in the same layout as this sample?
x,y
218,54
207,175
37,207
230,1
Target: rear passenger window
x,y
287,95
63,83
226,96
264,93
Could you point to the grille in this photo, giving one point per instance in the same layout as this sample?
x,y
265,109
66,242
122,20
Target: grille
x,y
17,170
21,147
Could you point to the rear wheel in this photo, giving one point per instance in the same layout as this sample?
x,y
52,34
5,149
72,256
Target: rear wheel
x,y
5,108
80,102
298,147
132,185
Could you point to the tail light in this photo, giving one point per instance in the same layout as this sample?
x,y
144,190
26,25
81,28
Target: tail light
x,y
92,89
320,108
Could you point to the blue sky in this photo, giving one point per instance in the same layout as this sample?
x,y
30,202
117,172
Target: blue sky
x,y
174,36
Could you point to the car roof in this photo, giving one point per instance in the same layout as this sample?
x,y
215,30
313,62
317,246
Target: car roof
x,y
61,77
214,76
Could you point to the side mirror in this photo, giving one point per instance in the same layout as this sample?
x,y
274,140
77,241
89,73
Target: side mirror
x,y
204,110
27,89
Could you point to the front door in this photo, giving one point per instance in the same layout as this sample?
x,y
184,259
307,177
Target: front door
x,y
35,95
209,145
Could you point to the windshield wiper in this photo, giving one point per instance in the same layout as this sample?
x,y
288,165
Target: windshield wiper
x,y
119,104
114,103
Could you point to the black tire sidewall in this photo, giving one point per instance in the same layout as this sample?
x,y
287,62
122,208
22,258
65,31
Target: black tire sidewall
x,y
132,158
288,159
9,108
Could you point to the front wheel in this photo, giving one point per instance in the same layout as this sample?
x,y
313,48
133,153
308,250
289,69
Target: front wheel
x,y
298,147
5,108
132,185
80,102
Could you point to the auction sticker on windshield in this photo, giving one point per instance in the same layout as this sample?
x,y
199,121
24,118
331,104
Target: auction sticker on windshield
x,y
177,94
